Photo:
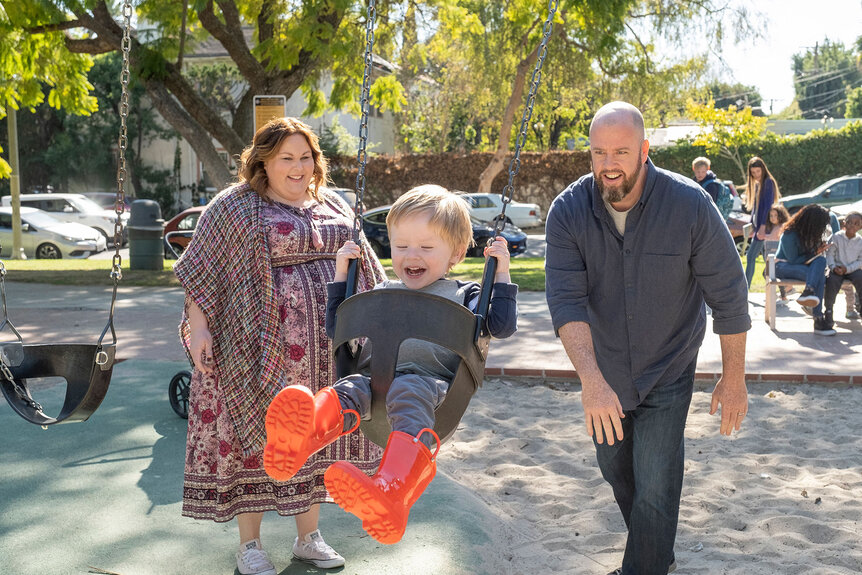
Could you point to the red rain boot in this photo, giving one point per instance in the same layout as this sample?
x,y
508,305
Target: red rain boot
x,y
383,502
299,425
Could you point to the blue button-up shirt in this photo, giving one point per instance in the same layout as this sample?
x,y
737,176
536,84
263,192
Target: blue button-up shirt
x,y
642,293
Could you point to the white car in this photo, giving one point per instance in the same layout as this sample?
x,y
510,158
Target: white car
x,y
486,207
75,208
45,237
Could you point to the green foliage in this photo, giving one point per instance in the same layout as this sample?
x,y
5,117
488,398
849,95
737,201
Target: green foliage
x,y
724,132
854,103
822,75
336,140
737,94
798,163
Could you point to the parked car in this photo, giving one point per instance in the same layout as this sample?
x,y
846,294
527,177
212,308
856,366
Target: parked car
x,y
374,227
835,192
75,208
108,200
486,207
844,209
45,237
185,221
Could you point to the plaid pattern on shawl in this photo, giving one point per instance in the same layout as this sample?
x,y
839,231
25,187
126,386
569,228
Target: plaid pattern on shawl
x,y
226,270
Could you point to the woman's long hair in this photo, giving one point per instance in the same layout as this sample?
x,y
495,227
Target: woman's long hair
x,y
809,223
753,188
266,144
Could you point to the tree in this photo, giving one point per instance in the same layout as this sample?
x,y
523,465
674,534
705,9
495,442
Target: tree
x,y
822,76
54,41
854,103
724,132
737,94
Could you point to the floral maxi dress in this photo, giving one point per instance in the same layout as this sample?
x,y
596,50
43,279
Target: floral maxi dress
x,y
220,482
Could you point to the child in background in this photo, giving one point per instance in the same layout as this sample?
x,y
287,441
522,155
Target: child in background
x,y
844,262
778,216
430,232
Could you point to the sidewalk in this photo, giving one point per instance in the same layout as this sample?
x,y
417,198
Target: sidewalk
x,y
106,493
146,323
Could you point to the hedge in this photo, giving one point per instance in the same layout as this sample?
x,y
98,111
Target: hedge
x,y
799,163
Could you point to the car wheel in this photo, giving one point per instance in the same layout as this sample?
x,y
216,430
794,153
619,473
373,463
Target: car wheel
x,y
48,252
478,251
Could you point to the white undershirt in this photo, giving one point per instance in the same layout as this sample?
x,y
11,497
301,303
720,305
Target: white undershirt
x,y
619,218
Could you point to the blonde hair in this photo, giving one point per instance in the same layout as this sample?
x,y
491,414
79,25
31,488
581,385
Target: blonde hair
x,y
266,144
700,161
450,215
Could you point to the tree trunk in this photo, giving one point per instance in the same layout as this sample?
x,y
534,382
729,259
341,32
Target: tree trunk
x,y
486,179
194,133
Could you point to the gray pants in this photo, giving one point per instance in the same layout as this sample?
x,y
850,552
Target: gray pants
x,y
410,403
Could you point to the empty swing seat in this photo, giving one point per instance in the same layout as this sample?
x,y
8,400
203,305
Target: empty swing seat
x,y
389,317
86,368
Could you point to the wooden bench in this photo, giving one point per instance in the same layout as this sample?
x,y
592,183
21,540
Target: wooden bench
x,y
772,285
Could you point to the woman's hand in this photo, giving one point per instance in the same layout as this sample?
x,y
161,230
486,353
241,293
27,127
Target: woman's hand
x,y
500,249
761,233
200,338
349,251
201,349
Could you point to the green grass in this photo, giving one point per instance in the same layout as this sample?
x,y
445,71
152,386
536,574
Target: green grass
x,y
528,273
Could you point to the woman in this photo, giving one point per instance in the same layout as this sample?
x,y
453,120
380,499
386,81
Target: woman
x,y
762,193
255,277
801,256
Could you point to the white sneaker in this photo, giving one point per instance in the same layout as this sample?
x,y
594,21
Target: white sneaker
x,y
313,549
251,559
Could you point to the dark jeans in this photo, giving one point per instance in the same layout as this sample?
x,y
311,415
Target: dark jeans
x,y
645,471
813,274
833,286
755,248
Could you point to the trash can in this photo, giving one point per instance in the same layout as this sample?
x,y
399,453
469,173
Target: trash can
x,y
146,228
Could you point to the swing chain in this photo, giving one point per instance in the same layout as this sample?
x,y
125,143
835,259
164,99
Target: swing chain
x,y
19,391
535,79
119,205
361,155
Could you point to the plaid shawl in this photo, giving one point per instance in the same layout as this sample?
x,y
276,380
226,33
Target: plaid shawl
x,y
226,270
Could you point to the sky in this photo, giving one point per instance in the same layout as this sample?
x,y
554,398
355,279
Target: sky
x,y
792,27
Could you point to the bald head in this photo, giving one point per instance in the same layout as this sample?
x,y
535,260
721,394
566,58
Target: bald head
x,y
619,113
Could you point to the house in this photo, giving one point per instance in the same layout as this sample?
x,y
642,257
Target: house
x,y
177,156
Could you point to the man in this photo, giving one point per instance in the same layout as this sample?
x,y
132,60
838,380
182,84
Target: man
x,y
632,253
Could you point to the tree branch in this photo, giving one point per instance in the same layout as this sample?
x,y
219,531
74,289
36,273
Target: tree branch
x,y
229,34
55,27
88,46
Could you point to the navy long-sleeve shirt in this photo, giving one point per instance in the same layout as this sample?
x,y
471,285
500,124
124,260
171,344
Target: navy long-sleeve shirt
x,y
643,293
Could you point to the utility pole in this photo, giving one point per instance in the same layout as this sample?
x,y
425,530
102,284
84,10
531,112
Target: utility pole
x,y
15,183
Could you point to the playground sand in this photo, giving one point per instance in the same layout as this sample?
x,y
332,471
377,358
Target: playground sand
x,y
782,495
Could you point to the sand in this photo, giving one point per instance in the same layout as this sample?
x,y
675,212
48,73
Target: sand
x,y
781,496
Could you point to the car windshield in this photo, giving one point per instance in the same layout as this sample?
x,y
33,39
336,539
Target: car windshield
x,y
40,219
86,205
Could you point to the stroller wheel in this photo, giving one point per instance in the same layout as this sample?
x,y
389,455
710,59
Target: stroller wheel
x,y
178,393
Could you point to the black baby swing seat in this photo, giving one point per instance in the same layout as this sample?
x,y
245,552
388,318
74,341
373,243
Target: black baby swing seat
x,y
431,318
86,378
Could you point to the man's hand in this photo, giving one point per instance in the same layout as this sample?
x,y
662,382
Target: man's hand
x,y
602,411
733,398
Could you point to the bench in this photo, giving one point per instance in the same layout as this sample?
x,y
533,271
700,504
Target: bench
x,y
772,285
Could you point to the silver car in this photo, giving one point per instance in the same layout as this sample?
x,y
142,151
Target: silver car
x,y
45,237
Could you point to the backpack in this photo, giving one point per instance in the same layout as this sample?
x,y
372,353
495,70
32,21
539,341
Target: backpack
x,y
724,201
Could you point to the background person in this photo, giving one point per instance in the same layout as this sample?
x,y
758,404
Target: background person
x,y
632,253
800,256
844,262
762,193
255,276
702,173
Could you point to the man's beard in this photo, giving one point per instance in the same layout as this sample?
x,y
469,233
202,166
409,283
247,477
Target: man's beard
x,y
616,194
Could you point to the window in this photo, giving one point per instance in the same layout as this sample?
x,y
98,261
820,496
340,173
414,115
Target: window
x,y
188,223
5,221
482,202
379,218
845,189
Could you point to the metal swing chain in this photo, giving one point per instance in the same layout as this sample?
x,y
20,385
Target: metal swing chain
x,y
362,155
120,203
515,164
